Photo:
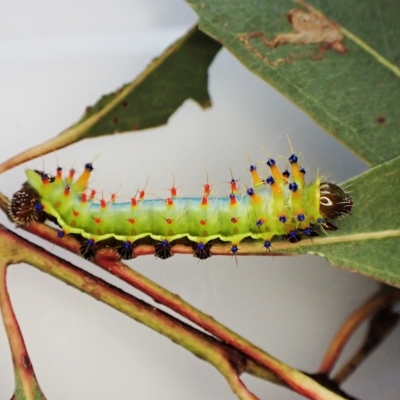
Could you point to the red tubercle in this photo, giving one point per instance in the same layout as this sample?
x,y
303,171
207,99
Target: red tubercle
x,y
97,220
169,201
142,193
92,194
103,203
133,202
67,190
203,221
234,187
131,220
204,200
169,221
71,175
232,199
174,191
113,197
234,220
75,213
83,197
45,179
59,174
207,189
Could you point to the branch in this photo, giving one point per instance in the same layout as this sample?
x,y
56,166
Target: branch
x,y
226,360
382,300
26,384
381,325
106,259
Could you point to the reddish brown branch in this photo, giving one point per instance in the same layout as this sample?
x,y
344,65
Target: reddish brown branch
x,y
227,360
381,325
25,379
106,259
381,300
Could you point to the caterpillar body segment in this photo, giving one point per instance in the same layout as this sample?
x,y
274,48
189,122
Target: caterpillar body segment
x,y
273,207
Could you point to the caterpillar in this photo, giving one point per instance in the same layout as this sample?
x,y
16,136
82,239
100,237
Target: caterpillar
x,y
279,206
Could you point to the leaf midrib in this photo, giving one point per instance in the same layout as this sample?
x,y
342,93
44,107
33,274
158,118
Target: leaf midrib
x,y
355,237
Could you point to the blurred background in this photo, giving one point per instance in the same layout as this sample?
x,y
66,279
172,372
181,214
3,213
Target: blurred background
x,y
56,58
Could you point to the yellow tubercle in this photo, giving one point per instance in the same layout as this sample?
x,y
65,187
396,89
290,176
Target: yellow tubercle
x,y
82,182
297,176
257,181
277,175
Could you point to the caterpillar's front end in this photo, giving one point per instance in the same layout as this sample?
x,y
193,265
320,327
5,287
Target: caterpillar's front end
x,y
334,203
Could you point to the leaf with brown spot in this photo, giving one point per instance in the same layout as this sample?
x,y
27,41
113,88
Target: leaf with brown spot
x,y
344,93
308,27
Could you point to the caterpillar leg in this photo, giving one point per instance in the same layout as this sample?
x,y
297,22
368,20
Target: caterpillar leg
x,y
267,245
125,250
202,251
310,233
328,226
163,249
88,249
293,236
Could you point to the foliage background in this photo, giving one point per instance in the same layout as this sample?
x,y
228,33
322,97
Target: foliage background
x,y
56,58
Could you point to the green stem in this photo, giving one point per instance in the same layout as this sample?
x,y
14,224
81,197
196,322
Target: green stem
x,y
26,385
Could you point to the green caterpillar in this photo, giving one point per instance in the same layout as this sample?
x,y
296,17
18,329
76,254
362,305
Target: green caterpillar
x,y
272,207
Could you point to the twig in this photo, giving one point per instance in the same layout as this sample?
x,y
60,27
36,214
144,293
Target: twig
x,y
25,380
226,360
383,299
106,259
380,326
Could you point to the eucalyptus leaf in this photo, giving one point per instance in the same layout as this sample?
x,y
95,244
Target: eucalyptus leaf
x,y
180,73
367,242
353,95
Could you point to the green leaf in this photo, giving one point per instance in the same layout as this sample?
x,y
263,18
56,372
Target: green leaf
x,y
180,73
369,241
354,96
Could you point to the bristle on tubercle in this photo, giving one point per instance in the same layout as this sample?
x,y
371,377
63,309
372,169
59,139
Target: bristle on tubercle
x,y
279,206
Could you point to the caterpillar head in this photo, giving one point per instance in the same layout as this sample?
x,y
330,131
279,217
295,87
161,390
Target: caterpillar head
x,y
333,201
